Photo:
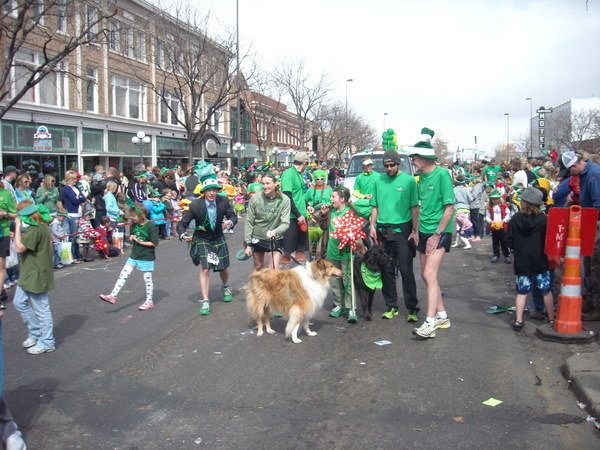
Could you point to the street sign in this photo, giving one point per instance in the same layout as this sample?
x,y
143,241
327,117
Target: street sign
x,y
541,124
42,140
557,231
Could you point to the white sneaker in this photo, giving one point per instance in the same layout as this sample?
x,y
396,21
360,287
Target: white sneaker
x,y
8,284
29,342
15,442
441,323
425,331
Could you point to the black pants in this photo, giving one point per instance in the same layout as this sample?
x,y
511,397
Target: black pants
x,y
397,247
499,241
477,219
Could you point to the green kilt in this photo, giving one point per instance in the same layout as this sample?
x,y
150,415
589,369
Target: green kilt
x,y
200,248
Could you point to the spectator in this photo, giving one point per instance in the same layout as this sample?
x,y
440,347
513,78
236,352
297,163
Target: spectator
x,y
22,188
47,194
72,200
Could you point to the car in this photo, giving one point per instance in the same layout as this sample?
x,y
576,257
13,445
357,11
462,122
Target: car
x,y
355,167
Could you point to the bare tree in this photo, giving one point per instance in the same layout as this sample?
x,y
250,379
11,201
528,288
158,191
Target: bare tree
x,y
573,130
302,92
361,135
263,103
196,77
53,29
440,147
329,124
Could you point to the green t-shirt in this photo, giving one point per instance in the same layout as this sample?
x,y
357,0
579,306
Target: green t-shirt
x,y
333,252
394,198
317,197
364,183
435,192
37,272
145,233
491,172
7,204
292,181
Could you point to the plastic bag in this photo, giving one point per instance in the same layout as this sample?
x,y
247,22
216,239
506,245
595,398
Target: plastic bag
x,y
66,257
12,260
117,239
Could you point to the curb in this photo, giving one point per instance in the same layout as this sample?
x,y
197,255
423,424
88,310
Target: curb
x,y
583,370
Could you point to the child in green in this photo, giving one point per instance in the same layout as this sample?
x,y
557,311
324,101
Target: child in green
x,y
341,287
144,237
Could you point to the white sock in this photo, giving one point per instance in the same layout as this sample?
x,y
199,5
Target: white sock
x,y
442,315
430,320
121,280
149,286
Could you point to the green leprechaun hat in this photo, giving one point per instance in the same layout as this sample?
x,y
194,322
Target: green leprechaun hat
x,y
423,148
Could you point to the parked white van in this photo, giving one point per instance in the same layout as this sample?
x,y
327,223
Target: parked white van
x,y
355,167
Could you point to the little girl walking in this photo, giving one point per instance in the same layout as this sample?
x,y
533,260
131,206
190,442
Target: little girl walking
x,y
144,237
526,236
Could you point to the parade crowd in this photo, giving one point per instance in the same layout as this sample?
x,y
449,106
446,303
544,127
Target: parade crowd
x,y
292,215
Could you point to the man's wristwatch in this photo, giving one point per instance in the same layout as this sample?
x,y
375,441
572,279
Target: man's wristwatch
x,y
439,232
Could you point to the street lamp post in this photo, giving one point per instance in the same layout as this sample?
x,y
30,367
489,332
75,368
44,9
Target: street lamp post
x,y
349,80
140,139
507,135
276,151
530,126
384,114
240,148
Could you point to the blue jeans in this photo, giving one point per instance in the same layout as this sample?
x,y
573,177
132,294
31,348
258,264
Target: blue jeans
x,y
56,247
36,315
72,225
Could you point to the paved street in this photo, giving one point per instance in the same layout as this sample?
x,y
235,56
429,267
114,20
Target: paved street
x,y
169,378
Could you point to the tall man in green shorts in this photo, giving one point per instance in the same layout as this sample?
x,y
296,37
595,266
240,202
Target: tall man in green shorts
x,y
436,196
394,220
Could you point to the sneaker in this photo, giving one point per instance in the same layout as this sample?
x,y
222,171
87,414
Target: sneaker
x,y
467,247
59,266
15,442
495,259
77,261
338,311
108,298
441,323
39,350
390,313
425,331
8,284
507,260
517,326
412,316
227,295
205,308
352,317
454,245
29,342
146,305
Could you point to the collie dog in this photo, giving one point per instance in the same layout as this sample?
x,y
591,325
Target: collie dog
x,y
297,293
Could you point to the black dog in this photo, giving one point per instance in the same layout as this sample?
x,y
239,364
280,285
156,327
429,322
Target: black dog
x,y
375,259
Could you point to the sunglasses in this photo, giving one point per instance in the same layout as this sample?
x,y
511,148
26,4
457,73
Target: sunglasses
x,y
319,179
387,166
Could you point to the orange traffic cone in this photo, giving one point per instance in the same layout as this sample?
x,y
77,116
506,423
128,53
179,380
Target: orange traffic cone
x,y
567,325
568,319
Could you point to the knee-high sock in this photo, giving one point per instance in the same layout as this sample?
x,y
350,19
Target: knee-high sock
x,y
149,286
121,280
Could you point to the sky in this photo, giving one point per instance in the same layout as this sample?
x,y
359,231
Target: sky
x,y
455,66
